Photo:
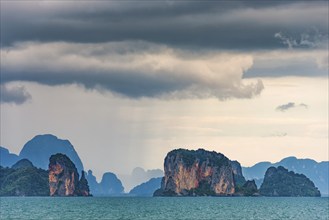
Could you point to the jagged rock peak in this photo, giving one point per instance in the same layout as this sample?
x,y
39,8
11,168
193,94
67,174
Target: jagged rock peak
x,y
64,178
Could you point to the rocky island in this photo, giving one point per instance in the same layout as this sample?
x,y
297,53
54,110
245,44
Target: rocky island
x,y
281,182
64,178
200,173
186,173
205,173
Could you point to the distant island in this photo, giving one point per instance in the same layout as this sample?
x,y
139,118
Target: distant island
x,y
62,179
280,182
40,148
205,173
186,173
23,179
318,172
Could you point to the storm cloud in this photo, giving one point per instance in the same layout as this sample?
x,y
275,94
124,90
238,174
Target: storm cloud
x,y
163,49
133,69
193,24
14,95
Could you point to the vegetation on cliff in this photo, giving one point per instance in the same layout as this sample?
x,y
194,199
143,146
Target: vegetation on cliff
x,y
23,163
23,180
191,156
280,182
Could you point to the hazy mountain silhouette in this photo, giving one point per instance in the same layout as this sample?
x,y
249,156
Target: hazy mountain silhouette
x,y
7,159
138,176
41,147
110,185
317,172
147,188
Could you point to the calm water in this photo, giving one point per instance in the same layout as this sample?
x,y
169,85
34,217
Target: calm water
x,y
164,208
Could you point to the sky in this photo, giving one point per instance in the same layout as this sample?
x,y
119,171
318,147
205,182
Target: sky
x,y
128,81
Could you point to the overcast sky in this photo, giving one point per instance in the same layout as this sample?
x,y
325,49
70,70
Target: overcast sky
x,y
128,81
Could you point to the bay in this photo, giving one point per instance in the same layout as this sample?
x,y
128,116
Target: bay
x,y
164,208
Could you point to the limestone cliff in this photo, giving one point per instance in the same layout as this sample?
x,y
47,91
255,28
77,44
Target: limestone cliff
x,y
237,173
64,178
197,173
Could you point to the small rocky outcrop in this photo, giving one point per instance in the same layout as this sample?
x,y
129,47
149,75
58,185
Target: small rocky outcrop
x,y
111,185
64,178
249,188
251,185
281,182
197,173
93,184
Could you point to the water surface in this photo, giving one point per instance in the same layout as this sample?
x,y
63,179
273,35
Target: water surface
x,y
163,208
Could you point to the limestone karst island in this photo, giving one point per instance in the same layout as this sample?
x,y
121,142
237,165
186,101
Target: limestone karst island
x,y
186,173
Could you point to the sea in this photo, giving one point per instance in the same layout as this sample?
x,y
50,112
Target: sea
x,y
164,208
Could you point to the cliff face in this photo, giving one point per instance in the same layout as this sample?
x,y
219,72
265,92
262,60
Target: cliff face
x,y
83,187
64,178
237,173
280,182
196,173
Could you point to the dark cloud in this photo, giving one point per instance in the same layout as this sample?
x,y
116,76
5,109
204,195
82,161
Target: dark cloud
x,y
286,67
16,95
132,69
193,24
175,44
290,105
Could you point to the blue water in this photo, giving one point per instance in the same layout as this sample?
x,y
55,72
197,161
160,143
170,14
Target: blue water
x,y
163,208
